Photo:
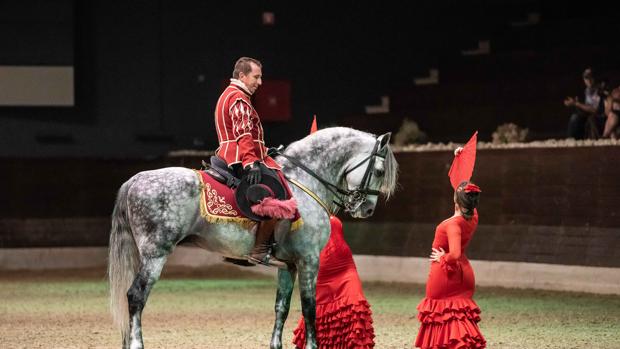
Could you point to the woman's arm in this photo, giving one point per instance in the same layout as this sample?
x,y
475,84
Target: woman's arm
x,y
454,243
450,261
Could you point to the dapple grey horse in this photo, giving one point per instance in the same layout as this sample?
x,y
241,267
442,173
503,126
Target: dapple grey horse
x,y
155,210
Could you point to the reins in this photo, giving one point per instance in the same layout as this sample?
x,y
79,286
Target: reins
x,y
312,195
354,198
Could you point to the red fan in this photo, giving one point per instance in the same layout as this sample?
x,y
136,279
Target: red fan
x,y
313,128
463,164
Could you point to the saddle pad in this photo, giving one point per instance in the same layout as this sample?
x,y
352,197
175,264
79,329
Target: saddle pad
x,y
218,205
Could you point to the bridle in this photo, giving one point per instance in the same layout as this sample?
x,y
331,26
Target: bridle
x,y
350,200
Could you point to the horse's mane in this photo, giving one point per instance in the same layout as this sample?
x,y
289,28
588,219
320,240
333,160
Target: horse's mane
x,y
331,137
390,179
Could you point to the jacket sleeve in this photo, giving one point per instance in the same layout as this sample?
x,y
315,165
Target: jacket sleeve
x,y
241,115
449,261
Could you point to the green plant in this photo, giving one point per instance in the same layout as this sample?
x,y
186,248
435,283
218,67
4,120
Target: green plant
x,y
408,133
509,133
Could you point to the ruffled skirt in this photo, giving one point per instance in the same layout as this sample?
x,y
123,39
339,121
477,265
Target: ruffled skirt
x,y
340,325
449,324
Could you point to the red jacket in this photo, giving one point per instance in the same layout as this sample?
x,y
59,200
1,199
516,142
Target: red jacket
x,y
239,130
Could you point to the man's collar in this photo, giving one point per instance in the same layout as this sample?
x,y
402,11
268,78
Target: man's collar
x,y
238,83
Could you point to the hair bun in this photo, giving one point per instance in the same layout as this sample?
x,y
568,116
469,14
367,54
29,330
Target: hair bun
x,y
472,188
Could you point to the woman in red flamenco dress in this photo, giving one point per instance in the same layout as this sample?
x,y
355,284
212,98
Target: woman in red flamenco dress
x,y
343,316
448,314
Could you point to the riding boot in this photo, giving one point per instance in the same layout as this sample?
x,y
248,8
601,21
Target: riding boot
x,y
261,253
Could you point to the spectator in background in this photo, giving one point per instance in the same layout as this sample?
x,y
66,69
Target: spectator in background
x,y
590,112
612,114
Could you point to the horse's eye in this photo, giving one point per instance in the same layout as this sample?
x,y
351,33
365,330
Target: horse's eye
x,y
379,173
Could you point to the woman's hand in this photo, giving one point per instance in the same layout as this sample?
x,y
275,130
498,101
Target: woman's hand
x,y
436,254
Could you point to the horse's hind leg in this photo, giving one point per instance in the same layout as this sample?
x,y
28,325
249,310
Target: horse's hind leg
x,y
286,281
137,295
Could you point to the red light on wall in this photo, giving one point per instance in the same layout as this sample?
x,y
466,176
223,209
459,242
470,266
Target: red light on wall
x,y
273,100
269,18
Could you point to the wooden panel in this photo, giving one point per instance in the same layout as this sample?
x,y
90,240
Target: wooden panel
x,y
550,186
551,205
519,243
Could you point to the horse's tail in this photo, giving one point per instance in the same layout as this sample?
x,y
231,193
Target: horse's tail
x,y
123,261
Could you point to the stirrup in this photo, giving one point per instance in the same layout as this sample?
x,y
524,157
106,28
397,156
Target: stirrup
x,y
267,261
237,261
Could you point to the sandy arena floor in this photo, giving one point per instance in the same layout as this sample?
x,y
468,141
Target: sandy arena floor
x,y
223,307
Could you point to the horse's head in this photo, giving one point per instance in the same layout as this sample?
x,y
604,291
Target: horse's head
x,y
352,166
367,174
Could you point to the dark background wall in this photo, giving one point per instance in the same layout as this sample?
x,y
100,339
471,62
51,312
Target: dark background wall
x,y
547,205
148,73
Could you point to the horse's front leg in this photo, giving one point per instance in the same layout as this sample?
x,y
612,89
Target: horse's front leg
x,y
286,281
308,270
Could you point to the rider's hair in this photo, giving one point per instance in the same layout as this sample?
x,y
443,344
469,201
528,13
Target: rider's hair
x,y
467,201
243,66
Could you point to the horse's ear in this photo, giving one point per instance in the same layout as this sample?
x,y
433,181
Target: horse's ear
x,y
385,140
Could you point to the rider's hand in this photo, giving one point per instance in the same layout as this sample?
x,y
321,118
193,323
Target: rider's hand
x,y
253,173
457,151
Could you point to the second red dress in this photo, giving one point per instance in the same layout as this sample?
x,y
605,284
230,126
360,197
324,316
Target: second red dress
x,y
343,316
448,314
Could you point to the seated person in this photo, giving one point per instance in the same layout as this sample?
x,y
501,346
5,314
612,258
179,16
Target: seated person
x,y
591,109
612,114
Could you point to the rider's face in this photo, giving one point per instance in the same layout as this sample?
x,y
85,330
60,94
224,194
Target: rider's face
x,y
253,79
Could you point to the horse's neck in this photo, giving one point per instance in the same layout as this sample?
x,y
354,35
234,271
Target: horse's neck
x,y
326,153
329,169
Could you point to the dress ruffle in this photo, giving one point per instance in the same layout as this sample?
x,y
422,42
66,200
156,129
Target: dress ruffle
x,y
449,324
340,325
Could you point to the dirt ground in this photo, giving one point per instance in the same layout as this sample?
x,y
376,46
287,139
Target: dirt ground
x,y
219,307
223,307
69,309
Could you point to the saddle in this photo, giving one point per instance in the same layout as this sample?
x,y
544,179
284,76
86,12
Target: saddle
x,y
270,196
219,170
247,195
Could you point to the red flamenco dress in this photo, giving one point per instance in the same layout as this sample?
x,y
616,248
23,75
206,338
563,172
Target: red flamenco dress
x,y
343,316
448,314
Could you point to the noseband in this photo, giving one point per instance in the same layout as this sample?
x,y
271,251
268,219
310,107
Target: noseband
x,y
350,200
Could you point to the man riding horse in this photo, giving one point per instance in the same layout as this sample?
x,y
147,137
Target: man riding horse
x,y
242,147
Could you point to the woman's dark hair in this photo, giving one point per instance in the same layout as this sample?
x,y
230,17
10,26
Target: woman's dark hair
x,y
467,200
